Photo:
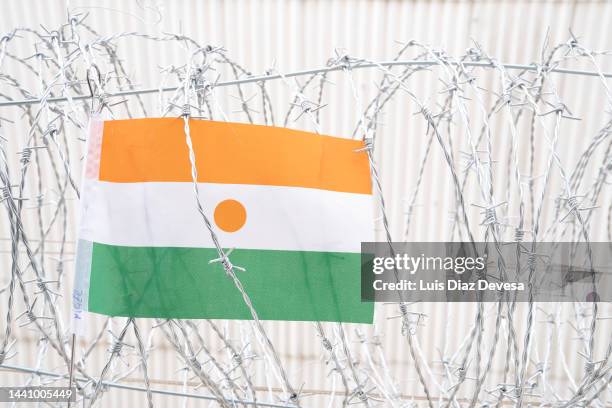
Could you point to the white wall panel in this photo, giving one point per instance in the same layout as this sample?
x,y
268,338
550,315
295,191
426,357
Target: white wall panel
x,y
296,35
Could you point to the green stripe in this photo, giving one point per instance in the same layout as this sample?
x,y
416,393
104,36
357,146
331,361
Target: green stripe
x,y
180,283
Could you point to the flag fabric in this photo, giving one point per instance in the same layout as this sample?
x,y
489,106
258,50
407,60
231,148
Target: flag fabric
x,y
292,206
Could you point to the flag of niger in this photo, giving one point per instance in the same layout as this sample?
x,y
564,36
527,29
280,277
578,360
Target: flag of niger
x,y
294,207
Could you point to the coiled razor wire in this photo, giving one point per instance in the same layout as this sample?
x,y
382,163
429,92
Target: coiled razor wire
x,y
76,72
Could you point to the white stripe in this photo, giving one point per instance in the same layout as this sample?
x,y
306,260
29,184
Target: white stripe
x,y
282,218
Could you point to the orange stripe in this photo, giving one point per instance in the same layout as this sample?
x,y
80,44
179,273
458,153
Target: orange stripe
x,y
142,150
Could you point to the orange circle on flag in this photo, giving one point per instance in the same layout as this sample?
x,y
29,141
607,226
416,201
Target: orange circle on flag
x,y
230,215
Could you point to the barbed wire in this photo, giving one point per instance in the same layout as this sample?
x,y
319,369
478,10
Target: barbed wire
x,y
76,73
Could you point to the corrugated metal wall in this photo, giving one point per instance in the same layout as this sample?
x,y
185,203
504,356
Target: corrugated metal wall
x,y
294,35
